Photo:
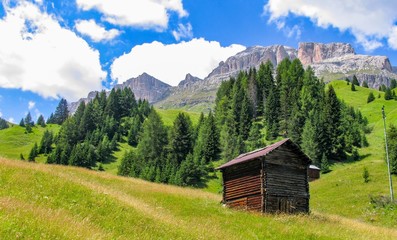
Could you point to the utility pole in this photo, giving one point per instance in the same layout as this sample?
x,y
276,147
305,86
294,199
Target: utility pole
x,y
387,156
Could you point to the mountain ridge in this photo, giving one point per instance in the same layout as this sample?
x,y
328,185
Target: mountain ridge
x,y
330,61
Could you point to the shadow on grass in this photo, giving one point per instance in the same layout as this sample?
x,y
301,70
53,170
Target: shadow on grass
x,y
206,179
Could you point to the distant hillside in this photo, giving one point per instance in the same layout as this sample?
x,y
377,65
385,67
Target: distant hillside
x,y
15,140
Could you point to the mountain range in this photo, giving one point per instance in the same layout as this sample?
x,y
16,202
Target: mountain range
x,y
330,61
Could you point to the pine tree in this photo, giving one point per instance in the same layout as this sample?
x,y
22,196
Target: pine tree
x,y
152,145
46,142
271,117
393,84
41,121
181,139
388,94
190,172
207,144
355,81
33,153
325,164
61,112
353,88
28,120
22,123
365,84
246,116
133,134
126,168
21,157
332,118
371,97
255,138
310,144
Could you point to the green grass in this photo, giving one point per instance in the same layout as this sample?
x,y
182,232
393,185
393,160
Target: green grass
x,y
169,115
343,191
50,202
15,140
39,201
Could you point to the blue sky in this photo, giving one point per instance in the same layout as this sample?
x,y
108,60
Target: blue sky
x,y
53,49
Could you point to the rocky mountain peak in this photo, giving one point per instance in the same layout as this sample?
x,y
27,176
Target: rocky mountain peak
x,y
144,86
189,80
309,52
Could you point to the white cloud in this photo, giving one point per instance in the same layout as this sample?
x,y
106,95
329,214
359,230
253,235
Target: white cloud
x,y
1,114
97,33
11,120
392,41
184,31
170,63
31,105
37,54
147,14
369,21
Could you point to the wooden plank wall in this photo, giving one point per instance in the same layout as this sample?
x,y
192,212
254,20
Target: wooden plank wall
x,y
242,186
286,187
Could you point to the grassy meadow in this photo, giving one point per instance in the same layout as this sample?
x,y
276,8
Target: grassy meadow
x,y
39,201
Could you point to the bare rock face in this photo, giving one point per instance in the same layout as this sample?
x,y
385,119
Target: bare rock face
x,y
338,61
252,57
144,87
309,53
188,81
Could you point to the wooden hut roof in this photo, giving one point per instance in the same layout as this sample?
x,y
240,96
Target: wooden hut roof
x,y
245,157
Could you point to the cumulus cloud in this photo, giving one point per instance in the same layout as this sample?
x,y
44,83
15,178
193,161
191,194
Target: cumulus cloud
x,y
37,54
11,120
370,22
31,105
97,33
184,31
1,114
147,14
170,63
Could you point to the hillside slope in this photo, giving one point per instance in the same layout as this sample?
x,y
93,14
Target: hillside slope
x,y
343,191
56,202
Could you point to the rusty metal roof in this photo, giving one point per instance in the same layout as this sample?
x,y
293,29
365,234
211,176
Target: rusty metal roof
x,y
254,154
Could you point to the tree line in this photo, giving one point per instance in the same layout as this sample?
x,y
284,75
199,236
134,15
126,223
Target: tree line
x,y
257,106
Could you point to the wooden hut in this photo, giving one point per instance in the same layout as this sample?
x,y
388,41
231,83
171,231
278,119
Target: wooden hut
x,y
271,179
313,173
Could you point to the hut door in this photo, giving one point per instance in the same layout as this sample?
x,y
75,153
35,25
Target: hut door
x,y
285,205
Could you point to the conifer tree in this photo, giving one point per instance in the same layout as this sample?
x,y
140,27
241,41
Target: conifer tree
x,y
355,81
22,123
61,112
388,94
255,138
33,153
353,88
325,164
46,142
181,140
332,118
133,134
207,144
41,121
365,84
371,97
